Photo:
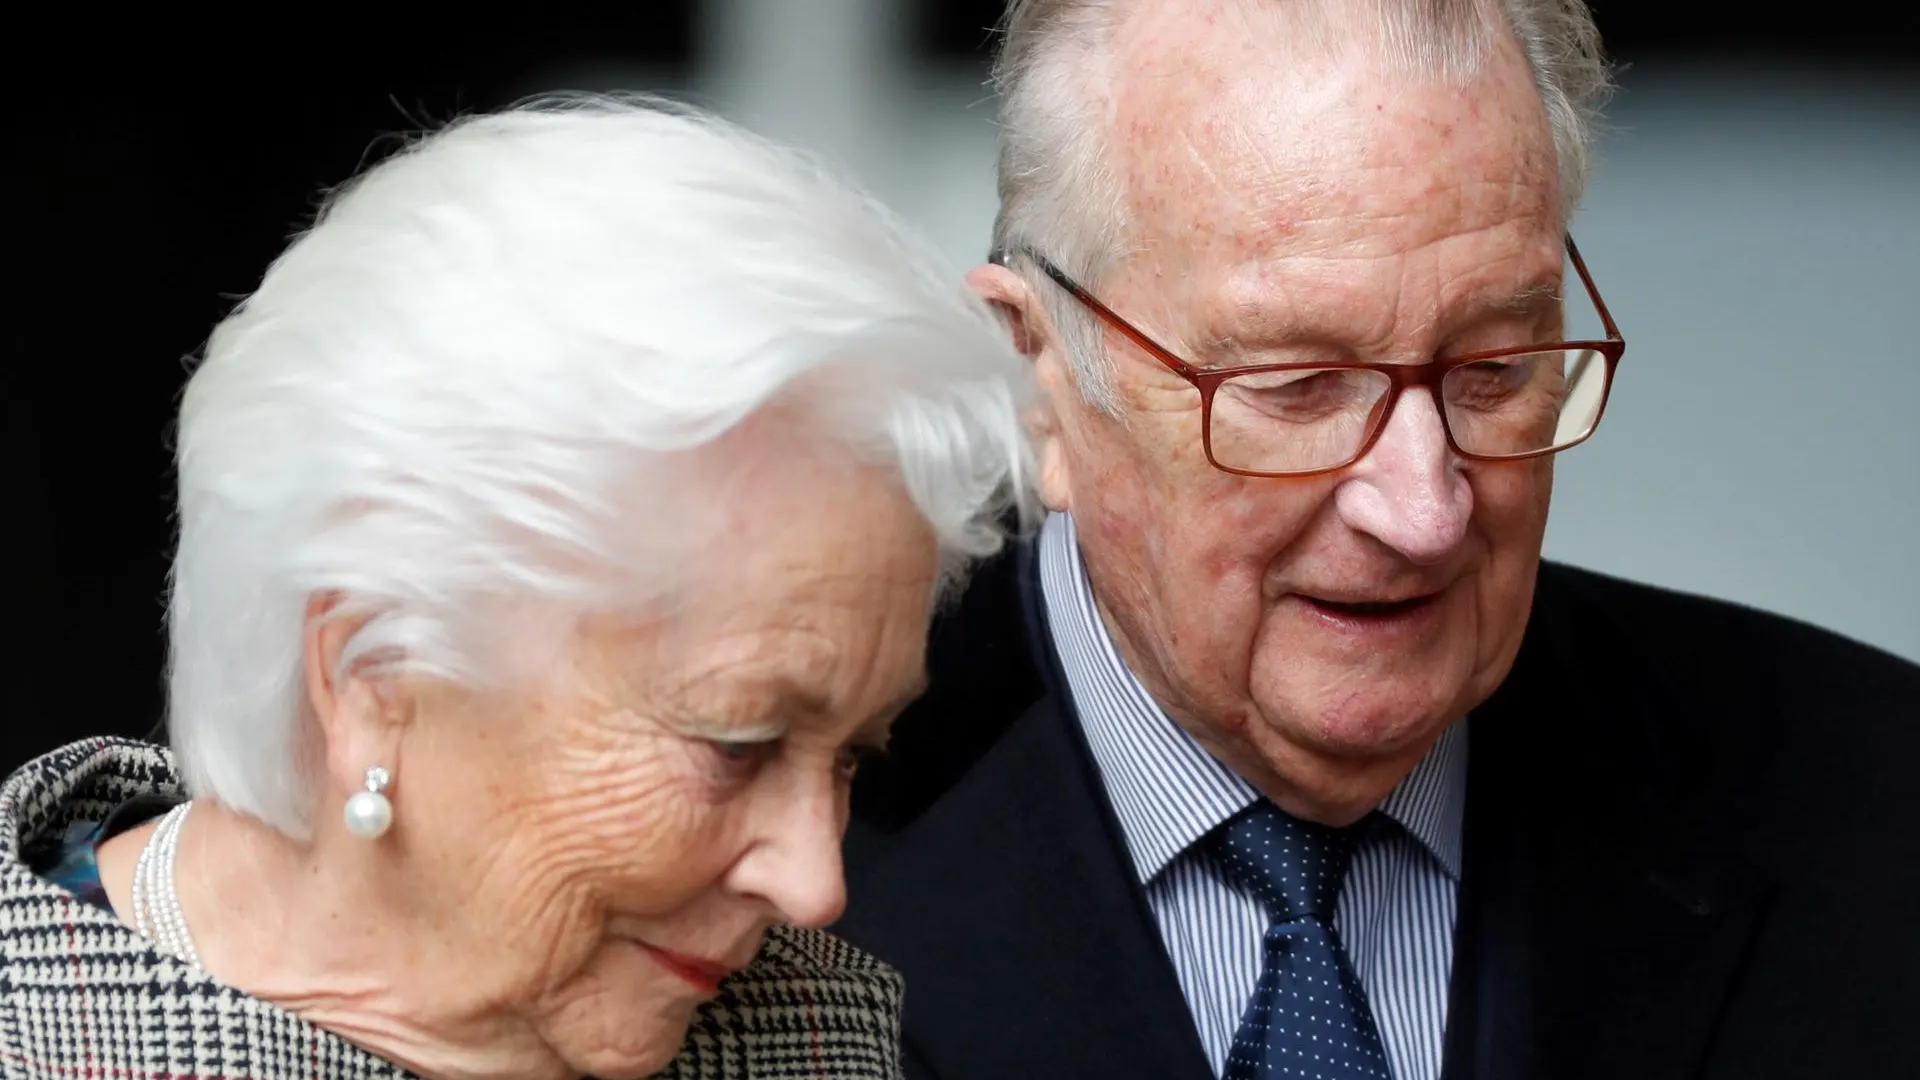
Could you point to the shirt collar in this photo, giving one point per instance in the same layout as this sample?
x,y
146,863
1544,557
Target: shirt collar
x,y
1430,803
1166,790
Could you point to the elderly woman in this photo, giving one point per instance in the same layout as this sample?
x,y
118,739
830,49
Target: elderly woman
x,y
560,521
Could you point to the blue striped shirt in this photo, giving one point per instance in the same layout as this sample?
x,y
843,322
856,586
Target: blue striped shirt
x,y
1395,914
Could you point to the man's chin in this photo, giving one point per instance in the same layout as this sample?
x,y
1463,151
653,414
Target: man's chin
x,y
1381,721
1338,692
1335,767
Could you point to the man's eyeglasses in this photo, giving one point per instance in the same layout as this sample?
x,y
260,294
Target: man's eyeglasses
x,y
1305,419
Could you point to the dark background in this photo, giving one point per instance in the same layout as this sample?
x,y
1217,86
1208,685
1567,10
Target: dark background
x,y
156,170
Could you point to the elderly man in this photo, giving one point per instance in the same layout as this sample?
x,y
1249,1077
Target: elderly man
x,y
1282,753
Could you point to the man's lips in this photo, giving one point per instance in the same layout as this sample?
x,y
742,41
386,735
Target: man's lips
x,y
704,975
1364,605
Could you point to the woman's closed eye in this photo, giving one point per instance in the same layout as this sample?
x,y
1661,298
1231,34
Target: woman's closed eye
x,y
738,760
854,755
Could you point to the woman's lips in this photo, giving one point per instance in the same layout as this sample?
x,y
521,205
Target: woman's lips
x,y
702,975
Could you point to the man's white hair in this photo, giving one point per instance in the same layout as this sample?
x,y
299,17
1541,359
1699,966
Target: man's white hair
x,y
1060,193
476,378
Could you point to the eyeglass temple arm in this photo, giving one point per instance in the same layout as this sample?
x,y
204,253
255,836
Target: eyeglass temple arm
x,y
1580,267
999,257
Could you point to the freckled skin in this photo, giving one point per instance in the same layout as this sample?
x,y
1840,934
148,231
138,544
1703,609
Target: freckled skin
x,y
592,812
540,834
1288,206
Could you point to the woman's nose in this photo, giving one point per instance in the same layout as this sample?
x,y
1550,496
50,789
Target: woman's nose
x,y
797,867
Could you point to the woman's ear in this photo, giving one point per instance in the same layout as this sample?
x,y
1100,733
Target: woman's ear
x,y
359,717
1033,335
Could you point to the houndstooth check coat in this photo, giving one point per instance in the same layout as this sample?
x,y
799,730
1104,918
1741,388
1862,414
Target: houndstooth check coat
x,y
83,996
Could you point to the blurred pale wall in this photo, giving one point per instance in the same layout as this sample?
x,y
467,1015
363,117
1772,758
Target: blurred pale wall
x,y
1758,236
1755,229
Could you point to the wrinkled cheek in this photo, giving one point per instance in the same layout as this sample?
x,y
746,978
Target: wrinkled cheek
x,y
1513,504
1202,562
639,838
671,844
1120,542
1530,508
1251,533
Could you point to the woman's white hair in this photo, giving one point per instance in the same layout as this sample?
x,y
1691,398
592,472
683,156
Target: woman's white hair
x,y
1060,194
471,379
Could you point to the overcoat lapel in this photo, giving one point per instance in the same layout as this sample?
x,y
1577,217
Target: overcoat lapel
x,y
1017,880
1599,926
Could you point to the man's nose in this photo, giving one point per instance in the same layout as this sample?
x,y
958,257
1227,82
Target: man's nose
x,y
796,867
1408,492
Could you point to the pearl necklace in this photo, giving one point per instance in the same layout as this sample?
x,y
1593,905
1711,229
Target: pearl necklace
x,y
156,906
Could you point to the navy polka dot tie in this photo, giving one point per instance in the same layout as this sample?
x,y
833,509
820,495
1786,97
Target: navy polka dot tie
x,y
1308,1019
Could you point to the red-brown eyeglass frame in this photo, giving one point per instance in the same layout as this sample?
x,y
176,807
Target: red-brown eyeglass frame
x,y
1208,380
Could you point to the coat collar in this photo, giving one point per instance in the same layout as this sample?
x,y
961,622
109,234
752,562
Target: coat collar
x,y
985,863
1013,910
70,968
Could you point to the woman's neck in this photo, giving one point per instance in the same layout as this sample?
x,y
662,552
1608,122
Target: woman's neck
x,y
323,930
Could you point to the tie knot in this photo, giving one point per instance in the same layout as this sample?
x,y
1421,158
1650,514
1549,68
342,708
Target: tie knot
x,y
1294,867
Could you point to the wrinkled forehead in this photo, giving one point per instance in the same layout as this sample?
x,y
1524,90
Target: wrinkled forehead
x,y
1282,127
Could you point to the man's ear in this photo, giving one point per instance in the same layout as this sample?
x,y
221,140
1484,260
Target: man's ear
x,y
1033,335
359,718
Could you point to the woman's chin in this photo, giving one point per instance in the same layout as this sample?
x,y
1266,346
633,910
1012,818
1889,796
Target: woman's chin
x,y
625,1066
626,1045
624,1017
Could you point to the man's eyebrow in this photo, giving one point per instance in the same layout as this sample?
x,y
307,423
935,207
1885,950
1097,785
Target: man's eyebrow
x,y
1530,300
1253,325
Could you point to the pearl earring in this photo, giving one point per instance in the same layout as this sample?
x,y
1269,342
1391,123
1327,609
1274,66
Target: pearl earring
x,y
369,813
